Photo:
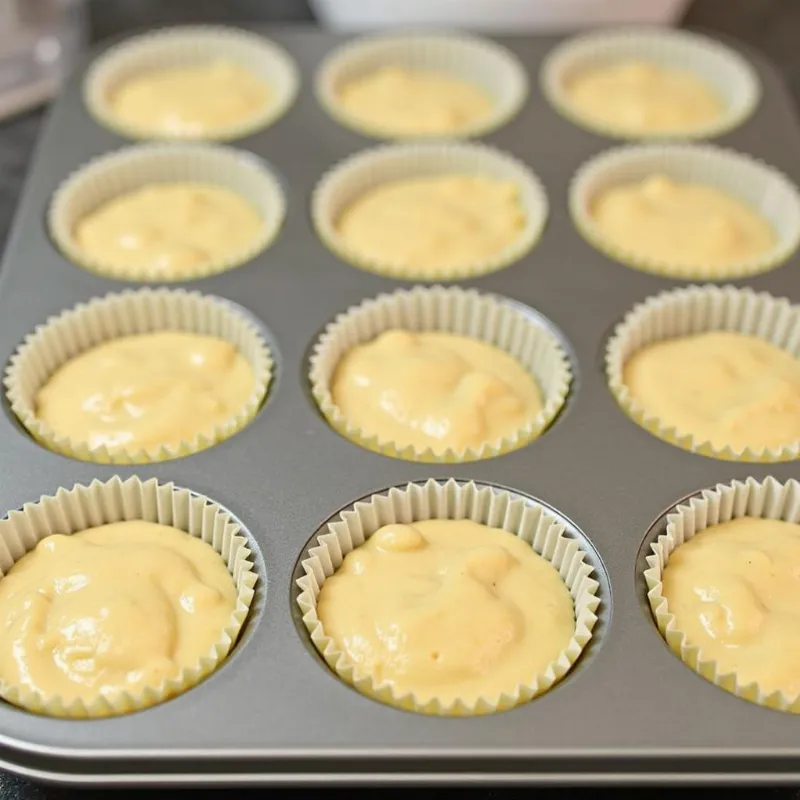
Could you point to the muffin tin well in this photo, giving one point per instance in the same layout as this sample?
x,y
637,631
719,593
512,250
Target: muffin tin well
x,y
549,533
129,169
760,500
519,331
273,713
103,320
116,501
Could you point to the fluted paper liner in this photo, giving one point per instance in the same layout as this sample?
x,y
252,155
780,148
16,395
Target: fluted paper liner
x,y
761,188
109,176
768,499
358,174
73,510
695,310
187,46
478,61
487,318
724,70
451,500
87,325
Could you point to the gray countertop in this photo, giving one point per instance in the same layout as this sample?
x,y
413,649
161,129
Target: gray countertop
x,y
772,26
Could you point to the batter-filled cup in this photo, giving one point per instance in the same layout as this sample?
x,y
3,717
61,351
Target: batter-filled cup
x,y
729,77
698,310
74,332
108,178
450,500
77,509
189,47
479,63
375,169
485,318
761,189
769,499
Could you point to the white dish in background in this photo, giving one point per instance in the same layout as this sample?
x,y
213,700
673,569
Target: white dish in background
x,y
499,16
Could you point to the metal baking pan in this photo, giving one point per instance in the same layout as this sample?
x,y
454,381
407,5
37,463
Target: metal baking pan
x,y
274,714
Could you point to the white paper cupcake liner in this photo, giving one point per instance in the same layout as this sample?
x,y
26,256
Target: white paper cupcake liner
x,y
87,325
131,168
450,500
478,61
73,510
767,499
695,310
486,318
354,176
762,188
172,48
728,74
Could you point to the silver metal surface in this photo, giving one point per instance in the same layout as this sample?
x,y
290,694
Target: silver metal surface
x,y
272,714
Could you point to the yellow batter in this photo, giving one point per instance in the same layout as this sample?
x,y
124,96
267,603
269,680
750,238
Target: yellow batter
x,y
722,387
139,392
434,390
428,227
115,608
172,230
686,225
191,102
639,97
404,102
735,593
448,610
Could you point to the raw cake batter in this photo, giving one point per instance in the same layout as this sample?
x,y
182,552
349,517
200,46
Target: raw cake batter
x,y
735,593
447,610
169,230
639,97
434,226
140,392
434,390
192,101
119,607
403,102
684,225
722,387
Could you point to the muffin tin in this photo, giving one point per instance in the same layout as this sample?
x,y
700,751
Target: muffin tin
x,y
274,713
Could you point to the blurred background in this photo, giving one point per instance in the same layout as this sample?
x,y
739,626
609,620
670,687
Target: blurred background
x,y
41,40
